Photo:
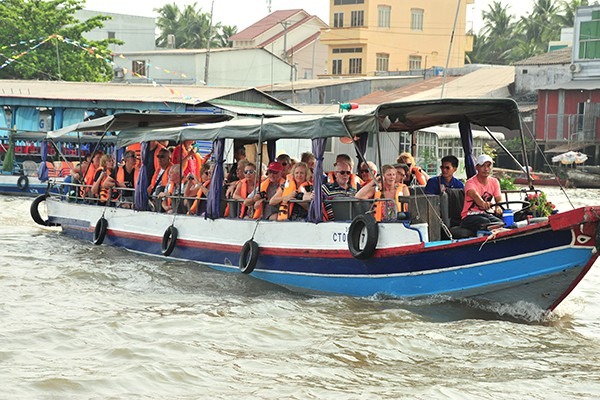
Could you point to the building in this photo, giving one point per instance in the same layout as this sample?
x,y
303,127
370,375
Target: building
x,y
369,37
292,35
248,67
137,33
543,70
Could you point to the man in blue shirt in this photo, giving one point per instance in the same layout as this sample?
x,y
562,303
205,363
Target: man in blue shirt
x,y
438,184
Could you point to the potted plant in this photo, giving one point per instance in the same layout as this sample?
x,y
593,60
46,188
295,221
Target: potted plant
x,y
540,206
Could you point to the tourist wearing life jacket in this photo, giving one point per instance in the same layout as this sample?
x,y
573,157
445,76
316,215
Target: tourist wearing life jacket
x,y
366,172
389,190
105,180
89,173
239,175
127,176
338,189
170,199
296,187
415,174
191,162
354,181
198,206
160,178
262,208
245,190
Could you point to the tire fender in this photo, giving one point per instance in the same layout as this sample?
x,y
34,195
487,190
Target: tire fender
x,y
168,241
248,257
35,211
363,236
23,182
100,231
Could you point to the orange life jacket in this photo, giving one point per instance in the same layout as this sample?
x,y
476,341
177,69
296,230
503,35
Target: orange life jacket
x,y
199,196
104,194
285,208
121,175
418,174
263,188
379,204
164,179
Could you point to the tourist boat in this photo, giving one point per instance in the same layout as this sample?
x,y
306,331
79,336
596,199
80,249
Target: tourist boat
x,y
536,264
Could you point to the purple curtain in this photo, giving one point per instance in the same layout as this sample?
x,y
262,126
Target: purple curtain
x,y
466,137
315,210
213,206
43,169
141,186
361,146
271,151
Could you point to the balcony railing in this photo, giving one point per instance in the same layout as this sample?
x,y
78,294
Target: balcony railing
x,y
570,127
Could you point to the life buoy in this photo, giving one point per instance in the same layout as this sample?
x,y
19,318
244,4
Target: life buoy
x,y
363,235
168,241
100,231
23,182
35,212
248,256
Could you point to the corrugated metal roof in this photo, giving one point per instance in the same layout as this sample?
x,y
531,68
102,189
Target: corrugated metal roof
x,y
491,82
86,91
452,132
581,84
561,56
264,24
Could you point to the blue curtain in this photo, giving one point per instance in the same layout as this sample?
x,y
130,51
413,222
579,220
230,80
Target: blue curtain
x,y
4,133
141,193
27,119
57,121
361,145
315,210
213,206
466,137
271,151
72,116
43,169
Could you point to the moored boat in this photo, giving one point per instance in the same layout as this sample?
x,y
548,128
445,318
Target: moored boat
x,y
538,263
585,177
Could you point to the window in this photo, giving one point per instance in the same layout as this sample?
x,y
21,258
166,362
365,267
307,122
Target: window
x,y
383,62
336,67
348,50
355,66
589,38
111,35
357,18
338,20
414,63
344,2
383,19
138,68
416,19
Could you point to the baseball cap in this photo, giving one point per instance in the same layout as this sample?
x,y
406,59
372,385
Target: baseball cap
x,y
275,166
482,159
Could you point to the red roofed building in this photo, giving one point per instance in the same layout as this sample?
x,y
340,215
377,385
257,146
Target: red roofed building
x,y
293,36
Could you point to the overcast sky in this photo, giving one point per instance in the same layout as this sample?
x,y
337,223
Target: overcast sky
x,y
243,13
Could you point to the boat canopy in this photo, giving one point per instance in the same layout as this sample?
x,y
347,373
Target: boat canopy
x,y
400,116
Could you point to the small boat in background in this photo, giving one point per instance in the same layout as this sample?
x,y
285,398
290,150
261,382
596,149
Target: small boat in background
x,y
585,177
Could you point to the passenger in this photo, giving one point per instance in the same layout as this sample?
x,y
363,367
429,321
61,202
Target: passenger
x,y
339,188
480,190
169,202
127,176
245,191
239,154
354,180
105,180
390,190
296,187
401,172
154,148
186,155
161,174
286,162
416,176
446,180
232,186
309,159
198,206
367,171
262,208
90,172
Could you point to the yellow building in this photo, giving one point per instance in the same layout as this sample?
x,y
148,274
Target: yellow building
x,y
371,37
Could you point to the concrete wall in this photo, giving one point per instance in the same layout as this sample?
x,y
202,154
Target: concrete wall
x,y
529,78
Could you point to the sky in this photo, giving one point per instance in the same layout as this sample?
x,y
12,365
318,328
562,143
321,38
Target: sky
x,y
243,13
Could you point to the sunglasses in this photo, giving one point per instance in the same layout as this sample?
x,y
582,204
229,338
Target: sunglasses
x,y
409,165
363,171
284,164
249,172
444,167
343,172
162,156
272,172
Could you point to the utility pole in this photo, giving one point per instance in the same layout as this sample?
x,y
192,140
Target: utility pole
x,y
207,57
285,25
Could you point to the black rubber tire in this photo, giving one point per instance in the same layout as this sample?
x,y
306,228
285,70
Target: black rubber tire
x,y
168,241
100,231
35,212
23,182
363,235
248,257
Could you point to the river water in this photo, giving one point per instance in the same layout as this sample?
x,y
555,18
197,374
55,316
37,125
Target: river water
x,y
80,321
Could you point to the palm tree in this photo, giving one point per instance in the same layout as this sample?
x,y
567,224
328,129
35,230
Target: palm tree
x,y
224,34
569,7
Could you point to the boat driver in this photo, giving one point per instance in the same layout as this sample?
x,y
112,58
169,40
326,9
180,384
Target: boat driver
x,y
480,191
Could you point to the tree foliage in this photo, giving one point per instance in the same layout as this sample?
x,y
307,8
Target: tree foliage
x,y
505,39
191,28
26,20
